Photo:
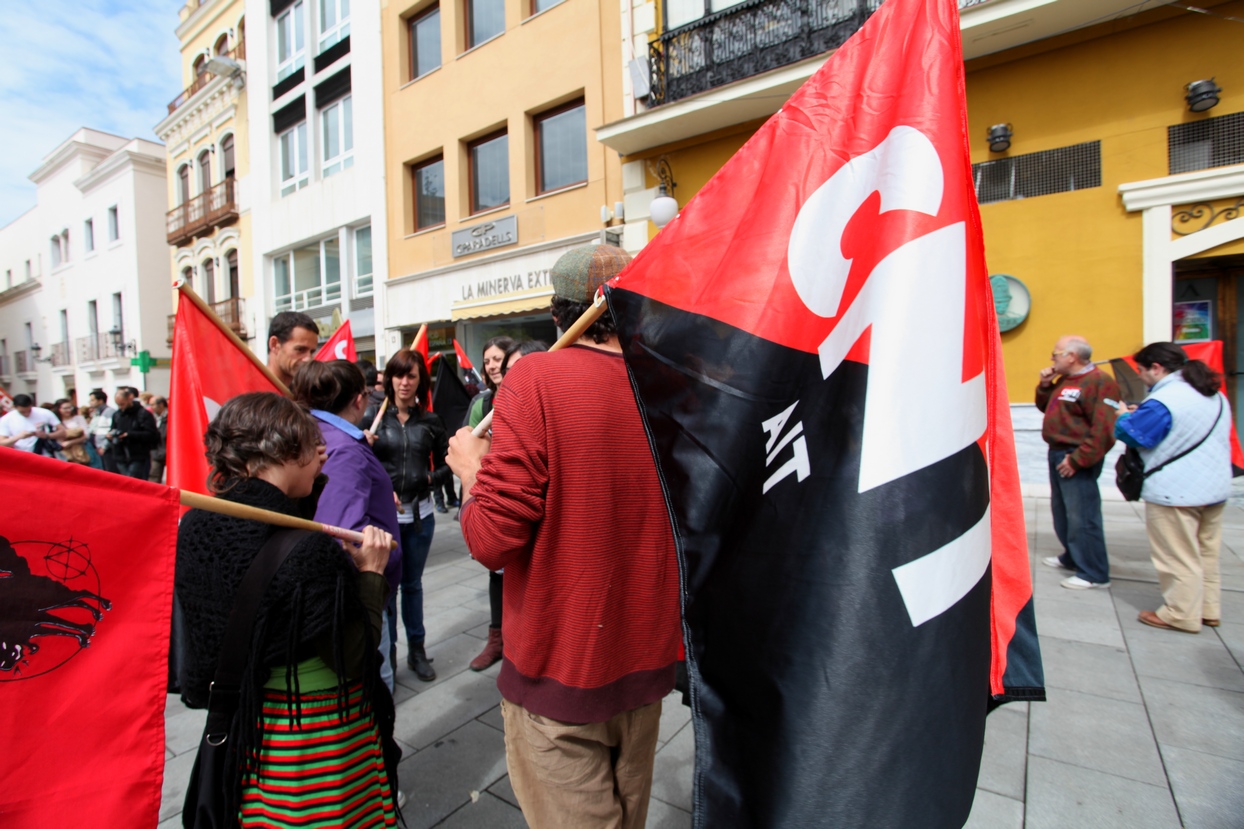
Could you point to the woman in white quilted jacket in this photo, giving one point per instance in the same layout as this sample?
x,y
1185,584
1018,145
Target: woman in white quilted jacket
x,y
1183,433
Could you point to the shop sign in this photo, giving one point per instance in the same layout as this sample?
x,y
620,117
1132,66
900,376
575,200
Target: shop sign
x,y
507,284
486,236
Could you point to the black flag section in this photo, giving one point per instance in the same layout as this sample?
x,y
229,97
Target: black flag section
x,y
449,398
815,700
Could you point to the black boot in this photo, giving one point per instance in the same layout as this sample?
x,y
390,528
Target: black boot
x,y
417,660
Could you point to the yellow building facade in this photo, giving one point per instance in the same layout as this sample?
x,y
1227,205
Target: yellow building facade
x,y
492,168
208,227
1092,208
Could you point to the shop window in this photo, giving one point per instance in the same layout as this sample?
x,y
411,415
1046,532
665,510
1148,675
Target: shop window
x,y
291,46
1202,145
425,42
485,20
561,147
362,262
88,235
294,175
334,22
429,195
114,224
337,128
1063,170
307,277
489,161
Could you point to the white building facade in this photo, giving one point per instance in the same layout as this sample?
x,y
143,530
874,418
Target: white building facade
x,y
85,286
316,190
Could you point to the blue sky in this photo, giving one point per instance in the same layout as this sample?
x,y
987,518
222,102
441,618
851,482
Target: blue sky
x,y
112,65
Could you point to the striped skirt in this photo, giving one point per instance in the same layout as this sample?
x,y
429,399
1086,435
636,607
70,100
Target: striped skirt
x,y
325,772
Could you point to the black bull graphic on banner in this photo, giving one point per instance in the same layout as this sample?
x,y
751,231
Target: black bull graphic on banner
x,y
29,603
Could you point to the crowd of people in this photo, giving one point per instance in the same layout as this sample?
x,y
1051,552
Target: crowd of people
x,y
128,439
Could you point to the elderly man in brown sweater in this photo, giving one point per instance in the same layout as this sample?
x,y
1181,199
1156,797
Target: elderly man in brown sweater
x,y
1079,427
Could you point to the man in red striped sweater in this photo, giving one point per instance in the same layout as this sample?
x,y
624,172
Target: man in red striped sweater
x,y
566,499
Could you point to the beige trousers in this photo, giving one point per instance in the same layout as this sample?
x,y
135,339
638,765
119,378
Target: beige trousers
x,y
592,776
1184,544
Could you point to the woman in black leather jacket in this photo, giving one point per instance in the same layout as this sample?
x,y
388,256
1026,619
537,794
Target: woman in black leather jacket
x,y
407,438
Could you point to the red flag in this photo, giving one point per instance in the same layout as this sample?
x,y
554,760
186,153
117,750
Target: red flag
x,y
86,596
816,354
340,346
208,369
463,360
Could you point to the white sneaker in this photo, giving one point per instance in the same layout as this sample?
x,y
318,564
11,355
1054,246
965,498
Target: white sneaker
x,y
1054,561
1077,583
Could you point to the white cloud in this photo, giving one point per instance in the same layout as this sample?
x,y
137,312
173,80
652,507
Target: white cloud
x,y
111,65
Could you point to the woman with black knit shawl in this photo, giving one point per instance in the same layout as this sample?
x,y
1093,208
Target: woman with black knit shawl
x,y
312,678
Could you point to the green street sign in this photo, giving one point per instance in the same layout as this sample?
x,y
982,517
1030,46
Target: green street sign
x,y
144,361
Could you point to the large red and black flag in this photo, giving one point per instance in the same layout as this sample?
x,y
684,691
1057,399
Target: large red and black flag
x,y
815,354
86,593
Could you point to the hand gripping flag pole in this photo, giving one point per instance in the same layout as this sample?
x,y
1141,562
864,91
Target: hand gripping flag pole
x,y
572,335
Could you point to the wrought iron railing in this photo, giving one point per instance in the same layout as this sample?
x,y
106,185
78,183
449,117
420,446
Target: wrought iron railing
x,y
95,347
215,207
202,79
62,354
751,38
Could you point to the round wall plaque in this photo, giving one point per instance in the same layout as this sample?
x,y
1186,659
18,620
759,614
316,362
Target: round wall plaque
x,y
1011,300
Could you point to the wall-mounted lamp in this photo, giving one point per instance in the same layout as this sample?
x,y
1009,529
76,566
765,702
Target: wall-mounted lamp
x,y
664,207
1202,95
619,212
117,338
999,136
36,350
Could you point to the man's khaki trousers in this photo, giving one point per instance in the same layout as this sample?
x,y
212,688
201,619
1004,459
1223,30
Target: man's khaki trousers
x,y
1184,544
590,776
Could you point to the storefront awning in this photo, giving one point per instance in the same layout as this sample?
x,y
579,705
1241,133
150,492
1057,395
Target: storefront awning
x,y
495,306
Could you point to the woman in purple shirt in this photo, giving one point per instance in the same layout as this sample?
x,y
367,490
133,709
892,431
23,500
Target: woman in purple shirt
x,y
358,492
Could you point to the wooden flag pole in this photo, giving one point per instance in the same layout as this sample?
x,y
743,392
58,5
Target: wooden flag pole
x,y
223,507
572,335
188,293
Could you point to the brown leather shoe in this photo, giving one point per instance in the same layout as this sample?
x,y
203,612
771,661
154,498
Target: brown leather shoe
x,y
1153,620
1211,623
491,654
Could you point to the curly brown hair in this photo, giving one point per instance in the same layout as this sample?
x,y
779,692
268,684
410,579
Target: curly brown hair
x,y
566,312
255,431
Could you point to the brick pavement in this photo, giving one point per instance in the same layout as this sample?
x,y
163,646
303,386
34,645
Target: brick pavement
x,y
1143,728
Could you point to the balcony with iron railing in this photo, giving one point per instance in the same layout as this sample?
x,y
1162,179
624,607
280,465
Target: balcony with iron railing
x,y
751,38
215,207
24,362
6,366
62,355
231,311
203,78
95,347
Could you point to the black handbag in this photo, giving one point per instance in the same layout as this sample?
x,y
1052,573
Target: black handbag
x,y
209,796
1130,472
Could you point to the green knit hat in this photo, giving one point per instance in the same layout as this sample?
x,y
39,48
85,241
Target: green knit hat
x,y
579,272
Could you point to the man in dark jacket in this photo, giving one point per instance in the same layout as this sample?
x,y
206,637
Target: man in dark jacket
x,y
134,435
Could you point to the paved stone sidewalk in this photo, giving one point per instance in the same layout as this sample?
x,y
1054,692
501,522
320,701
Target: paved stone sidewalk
x,y
1143,728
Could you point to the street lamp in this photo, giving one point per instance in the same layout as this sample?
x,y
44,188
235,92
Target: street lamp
x,y
999,136
1202,95
664,207
117,338
37,350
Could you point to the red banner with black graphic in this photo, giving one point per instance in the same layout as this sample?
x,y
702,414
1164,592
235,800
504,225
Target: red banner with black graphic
x,y
815,352
86,597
